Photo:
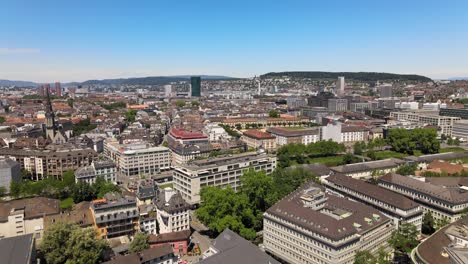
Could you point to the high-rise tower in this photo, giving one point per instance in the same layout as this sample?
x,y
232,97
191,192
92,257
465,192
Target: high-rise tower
x,y
340,85
51,127
195,86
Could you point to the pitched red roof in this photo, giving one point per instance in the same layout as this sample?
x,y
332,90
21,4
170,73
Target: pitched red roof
x,y
182,134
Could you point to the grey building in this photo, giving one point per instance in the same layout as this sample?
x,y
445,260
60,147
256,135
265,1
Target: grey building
x,y
337,105
386,91
99,168
460,130
9,171
462,113
18,250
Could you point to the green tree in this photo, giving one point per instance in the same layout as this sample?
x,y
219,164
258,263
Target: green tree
x,y
2,119
349,158
359,148
139,243
15,189
180,103
287,180
195,103
404,239
3,191
372,155
428,224
406,169
364,257
130,115
439,223
68,243
274,113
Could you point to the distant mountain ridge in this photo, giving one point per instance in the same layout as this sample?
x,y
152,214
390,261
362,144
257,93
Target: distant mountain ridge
x,y
458,79
358,76
17,83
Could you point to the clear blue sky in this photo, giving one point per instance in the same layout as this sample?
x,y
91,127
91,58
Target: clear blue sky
x,y
78,40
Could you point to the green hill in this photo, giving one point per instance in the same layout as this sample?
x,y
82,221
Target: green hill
x,y
357,76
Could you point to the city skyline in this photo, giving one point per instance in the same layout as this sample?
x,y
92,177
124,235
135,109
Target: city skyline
x,y
56,41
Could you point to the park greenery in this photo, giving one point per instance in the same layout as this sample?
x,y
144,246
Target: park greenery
x,y
230,132
139,243
404,239
242,212
130,115
83,126
180,103
291,154
407,141
71,244
62,189
365,257
114,105
406,169
273,113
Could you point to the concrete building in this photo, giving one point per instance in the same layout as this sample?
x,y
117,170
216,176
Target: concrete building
x,y
220,171
9,171
148,220
257,139
138,159
195,86
173,213
443,203
309,226
115,216
146,191
445,123
287,136
168,90
215,133
105,169
407,105
186,137
460,130
337,105
393,205
26,216
230,248
386,91
340,86
365,170
454,112
157,255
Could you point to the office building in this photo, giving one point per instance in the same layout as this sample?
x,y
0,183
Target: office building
x,y
115,216
386,91
360,106
257,139
58,89
26,216
230,248
309,226
105,169
321,100
195,86
167,90
337,105
444,203
9,171
460,130
220,171
173,212
287,136
454,112
184,137
397,207
138,159
407,105
445,123
340,86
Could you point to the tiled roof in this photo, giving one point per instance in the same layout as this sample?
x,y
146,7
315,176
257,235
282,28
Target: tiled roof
x,y
257,134
182,134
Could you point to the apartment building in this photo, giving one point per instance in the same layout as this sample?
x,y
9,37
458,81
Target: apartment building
x,y
265,122
105,169
337,105
26,216
138,159
442,202
186,137
49,162
393,205
460,130
309,226
256,139
220,171
445,123
287,136
115,216
182,154
340,133
173,212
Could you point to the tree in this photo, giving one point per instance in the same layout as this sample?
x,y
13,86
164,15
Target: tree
x,y
406,169
180,103
15,189
274,113
428,224
364,257
439,223
2,119
139,243
287,180
404,239
130,115
3,191
372,155
68,243
349,158
359,147
195,103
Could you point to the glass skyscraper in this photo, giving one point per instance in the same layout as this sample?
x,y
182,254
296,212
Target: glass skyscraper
x,y
196,86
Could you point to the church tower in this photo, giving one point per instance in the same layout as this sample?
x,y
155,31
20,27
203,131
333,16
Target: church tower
x,y
51,127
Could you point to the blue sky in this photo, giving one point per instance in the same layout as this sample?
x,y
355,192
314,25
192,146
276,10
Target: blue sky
x,y
78,40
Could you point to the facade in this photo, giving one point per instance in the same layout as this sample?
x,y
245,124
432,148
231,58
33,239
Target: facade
x,y
182,154
265,122
195,86
138,159
105,169
444,122
230,248
309,226
460,130
115,216
50,163
454,112
148,219
337,105
220,171
352,134
257,139
443,203
146,192
215,133
393,205
286,136
360,106
9,171
386,91
178,241
340,85
173,213
26,216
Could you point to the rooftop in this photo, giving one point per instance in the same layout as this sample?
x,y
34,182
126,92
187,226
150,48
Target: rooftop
x,y
285,132
257,134
183,134
369,165
225,160
33,207
17,250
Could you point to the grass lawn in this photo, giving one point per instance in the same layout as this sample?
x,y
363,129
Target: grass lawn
x,y
328,161
451,149
386,154
295,128
66,203
162,186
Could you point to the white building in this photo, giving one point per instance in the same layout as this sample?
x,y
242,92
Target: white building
x,y
173,212
148,219
138,159
286,136
221,171
98,168
428,118
167,90
340,85
460,130
215,133
407,105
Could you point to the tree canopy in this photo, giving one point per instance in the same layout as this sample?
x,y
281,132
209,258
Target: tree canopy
x,y
404,239
407,141
298,153
274,113
139,243
68,243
